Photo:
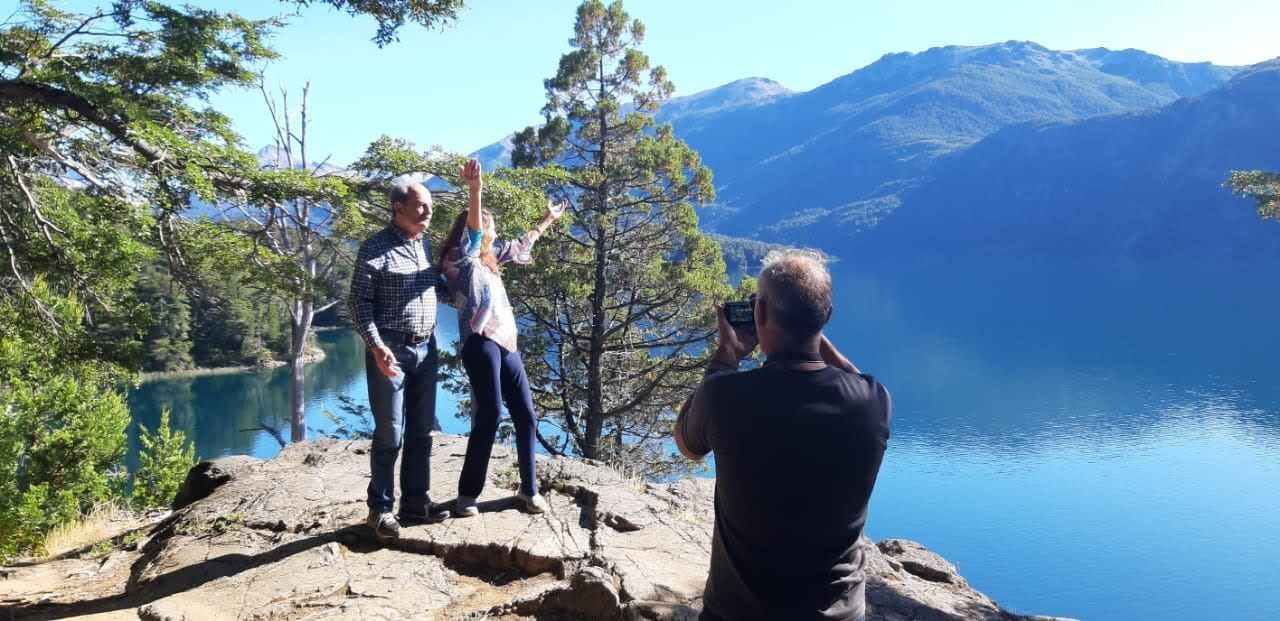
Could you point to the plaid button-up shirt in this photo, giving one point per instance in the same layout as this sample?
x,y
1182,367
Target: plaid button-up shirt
x,y
393,286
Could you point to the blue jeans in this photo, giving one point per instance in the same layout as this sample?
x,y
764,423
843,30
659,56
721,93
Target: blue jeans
x,y
404,413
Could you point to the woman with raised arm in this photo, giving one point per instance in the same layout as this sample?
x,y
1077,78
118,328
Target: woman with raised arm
x,y
471,258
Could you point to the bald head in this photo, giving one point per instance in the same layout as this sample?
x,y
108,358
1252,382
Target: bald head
x,y
796,288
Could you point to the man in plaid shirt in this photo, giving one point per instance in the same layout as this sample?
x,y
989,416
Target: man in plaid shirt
x,y
393,307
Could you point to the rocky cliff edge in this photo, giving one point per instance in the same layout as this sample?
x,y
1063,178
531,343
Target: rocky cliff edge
x,y
284,539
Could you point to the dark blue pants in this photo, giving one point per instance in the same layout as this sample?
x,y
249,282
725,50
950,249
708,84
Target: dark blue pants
x,y
404,413
497,376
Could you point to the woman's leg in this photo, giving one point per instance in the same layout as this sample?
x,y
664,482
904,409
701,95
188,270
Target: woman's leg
x,y
515,391
482,359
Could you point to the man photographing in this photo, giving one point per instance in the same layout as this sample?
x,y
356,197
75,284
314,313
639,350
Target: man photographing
x,y
798,445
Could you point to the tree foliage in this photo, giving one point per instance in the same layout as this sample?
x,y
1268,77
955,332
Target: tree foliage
x,y
107,104
95,115
105,139
167,339
516,195
62,420
391,15
1263,187
619,307
224,312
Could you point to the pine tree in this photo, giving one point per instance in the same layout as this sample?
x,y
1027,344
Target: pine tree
x,y
163,462
620,307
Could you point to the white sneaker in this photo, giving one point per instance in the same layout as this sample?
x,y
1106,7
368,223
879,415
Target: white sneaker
x,y
535,503
465,506
384,524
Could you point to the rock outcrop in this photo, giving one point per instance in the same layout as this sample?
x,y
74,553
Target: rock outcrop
x,y
285,539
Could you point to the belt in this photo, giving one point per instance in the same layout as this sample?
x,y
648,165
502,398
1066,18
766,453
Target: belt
x,y
410,338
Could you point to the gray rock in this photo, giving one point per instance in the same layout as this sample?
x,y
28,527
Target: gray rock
x,y
286,539
918,561
206,476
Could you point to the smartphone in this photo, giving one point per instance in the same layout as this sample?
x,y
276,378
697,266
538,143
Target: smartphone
x,y
740,314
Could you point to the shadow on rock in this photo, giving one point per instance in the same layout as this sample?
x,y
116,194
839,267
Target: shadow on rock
x,y
190,577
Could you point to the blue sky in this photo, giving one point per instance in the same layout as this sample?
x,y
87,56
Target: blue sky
x,y
480,79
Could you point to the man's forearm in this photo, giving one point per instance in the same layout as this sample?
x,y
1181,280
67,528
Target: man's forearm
x,y
680,430
833,357
364,284
722,360
677,431
370,335
362,321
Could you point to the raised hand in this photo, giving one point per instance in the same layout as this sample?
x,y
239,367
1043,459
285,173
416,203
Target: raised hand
x,y
735,344
472,175
555,210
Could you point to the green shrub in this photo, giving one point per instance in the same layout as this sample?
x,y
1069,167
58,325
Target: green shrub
x,y
163,462
62,422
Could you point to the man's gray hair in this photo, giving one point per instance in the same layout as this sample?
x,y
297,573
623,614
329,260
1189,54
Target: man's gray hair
x,y
797,290
399,192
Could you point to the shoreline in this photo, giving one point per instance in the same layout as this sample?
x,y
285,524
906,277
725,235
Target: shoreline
x,y
147,377
317,329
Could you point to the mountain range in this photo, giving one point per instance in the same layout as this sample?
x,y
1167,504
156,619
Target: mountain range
x,y
1144,184
1003,149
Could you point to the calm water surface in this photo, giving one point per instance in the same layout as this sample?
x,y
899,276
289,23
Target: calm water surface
x,y
1100,442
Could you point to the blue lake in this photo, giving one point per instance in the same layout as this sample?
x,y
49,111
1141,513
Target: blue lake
x,y
1101,442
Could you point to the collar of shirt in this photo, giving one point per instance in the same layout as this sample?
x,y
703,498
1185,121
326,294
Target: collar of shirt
x,y
796,357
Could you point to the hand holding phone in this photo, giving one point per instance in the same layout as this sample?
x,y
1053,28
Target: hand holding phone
x,y
738,337
740,314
